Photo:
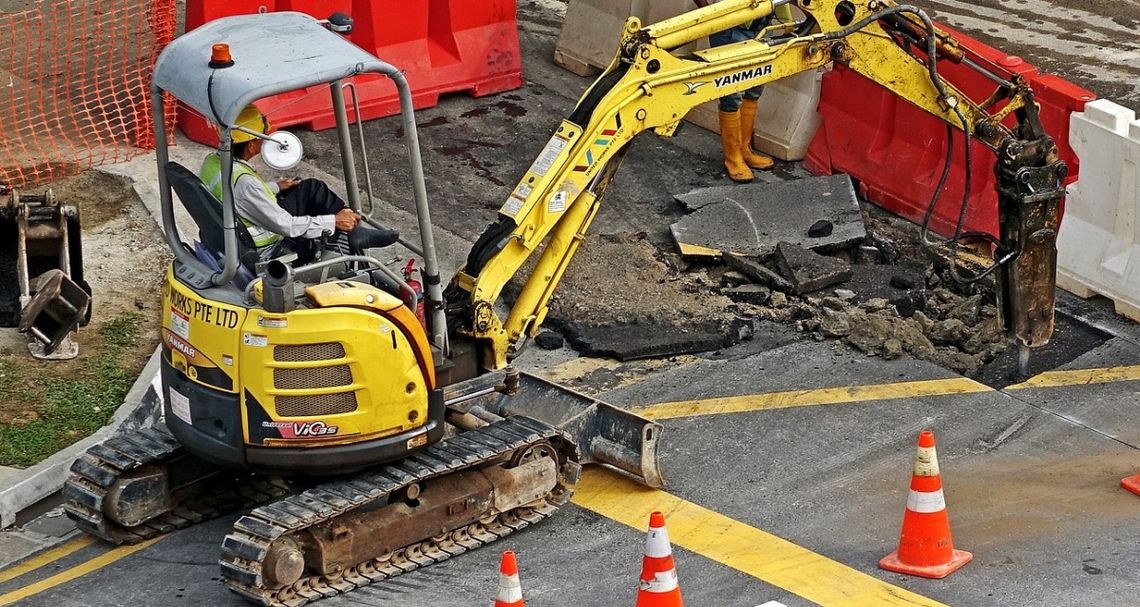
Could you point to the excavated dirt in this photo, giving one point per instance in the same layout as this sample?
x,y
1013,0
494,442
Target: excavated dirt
x,y
619,299
622,298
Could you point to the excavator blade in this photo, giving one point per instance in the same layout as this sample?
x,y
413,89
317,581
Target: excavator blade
x,y
605,434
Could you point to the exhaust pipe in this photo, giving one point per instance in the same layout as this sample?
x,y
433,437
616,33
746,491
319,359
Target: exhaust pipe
x,y
277,295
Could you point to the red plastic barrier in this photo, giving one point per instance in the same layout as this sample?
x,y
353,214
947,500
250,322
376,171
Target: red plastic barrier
x,y
442,46
897,151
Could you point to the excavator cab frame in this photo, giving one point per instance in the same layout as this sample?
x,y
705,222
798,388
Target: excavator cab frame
x,y
264,58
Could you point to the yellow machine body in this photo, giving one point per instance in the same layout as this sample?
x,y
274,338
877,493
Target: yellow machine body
x,y
351,367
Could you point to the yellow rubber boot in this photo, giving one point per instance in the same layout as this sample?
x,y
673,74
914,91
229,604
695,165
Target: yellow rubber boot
x,y
747,122
738,171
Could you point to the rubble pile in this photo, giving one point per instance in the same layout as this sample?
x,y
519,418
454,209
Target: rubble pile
x,y
831,269
874,287
923,317
619,300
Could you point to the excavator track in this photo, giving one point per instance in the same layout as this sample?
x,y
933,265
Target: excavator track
x,y
94,474
247,549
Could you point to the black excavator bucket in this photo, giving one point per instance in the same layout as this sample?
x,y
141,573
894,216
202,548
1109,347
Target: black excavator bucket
x,y
605,434
41,272
57,307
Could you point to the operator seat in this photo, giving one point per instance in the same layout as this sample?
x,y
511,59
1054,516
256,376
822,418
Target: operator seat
x,y
207,213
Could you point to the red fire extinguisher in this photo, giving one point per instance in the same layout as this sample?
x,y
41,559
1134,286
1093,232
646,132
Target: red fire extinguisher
x,y
417,287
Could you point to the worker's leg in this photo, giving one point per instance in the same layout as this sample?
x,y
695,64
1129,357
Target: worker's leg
x,y
730,142
748,106
310,197
729,115
314,197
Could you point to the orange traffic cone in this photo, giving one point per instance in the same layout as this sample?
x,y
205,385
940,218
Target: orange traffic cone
x,y
1132,483
925,546
659,587
510,590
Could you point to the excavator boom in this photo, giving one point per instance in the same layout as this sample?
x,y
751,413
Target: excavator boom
x,y
651,86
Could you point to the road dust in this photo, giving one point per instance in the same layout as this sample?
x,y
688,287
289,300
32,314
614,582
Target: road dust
x,y
999,501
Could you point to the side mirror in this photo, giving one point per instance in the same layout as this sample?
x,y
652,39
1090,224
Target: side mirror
x,y
282,151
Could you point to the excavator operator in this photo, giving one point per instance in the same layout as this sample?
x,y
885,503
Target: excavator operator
x,y
288,215
738,110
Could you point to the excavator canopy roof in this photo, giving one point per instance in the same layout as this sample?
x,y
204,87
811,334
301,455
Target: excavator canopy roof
x,y
272,53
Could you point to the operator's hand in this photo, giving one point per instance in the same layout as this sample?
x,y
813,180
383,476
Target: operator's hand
x,y
285,184
346,219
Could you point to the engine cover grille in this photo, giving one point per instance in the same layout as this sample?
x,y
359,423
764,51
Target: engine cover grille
x,y
315,405
308,352
312,378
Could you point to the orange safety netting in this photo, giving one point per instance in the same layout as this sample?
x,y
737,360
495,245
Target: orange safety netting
x,y
75,84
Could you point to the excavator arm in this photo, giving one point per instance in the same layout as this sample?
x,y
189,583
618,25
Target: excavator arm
x,y
651,86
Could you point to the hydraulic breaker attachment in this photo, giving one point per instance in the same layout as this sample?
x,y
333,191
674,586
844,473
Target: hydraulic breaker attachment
x,y
1030,191
605,434
46,265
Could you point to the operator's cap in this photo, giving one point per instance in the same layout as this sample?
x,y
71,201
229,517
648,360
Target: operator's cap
x,y
252,119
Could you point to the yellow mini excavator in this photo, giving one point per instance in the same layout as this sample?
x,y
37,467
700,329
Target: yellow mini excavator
x,y
369,443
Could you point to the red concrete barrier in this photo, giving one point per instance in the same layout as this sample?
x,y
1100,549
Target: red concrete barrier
x,y
443,46
896,151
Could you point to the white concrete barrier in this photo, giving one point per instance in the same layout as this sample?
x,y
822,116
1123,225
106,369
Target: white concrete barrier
x,y
1098,246
786,120
590,33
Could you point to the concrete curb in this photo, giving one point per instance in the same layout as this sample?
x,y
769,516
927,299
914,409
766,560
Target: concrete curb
x,y
141,408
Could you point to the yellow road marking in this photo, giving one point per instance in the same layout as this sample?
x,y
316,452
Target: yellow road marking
x,y
746,549
75,572
47,557
713,535
1078,377
805,398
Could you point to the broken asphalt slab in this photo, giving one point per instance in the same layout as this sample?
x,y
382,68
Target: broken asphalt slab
x,y
757,272
809,271
751,219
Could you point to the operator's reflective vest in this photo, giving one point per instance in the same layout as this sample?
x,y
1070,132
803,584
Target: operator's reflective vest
x,y
211,175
